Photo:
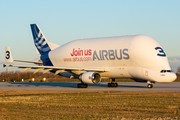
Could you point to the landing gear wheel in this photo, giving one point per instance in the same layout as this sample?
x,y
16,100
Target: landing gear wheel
x,y
150,86
82,85
112,84
116,84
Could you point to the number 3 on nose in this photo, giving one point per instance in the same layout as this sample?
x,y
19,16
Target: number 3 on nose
x,y
161,52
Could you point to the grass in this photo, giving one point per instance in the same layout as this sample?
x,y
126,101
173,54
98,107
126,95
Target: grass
x,y
89,105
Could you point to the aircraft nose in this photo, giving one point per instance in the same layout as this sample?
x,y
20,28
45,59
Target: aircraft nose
x,y
173,77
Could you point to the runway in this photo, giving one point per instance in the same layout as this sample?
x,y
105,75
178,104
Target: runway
x,y
61,86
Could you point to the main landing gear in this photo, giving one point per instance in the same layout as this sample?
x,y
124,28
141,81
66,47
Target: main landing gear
x,y
82,85
113,83
150,85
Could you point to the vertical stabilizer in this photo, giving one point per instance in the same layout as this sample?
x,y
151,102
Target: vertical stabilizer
x,y
39,40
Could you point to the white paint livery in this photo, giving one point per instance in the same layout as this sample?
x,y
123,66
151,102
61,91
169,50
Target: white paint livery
x,y
138,57
143,62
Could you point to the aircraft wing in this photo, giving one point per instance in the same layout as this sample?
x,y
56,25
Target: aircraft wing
x,y
58,69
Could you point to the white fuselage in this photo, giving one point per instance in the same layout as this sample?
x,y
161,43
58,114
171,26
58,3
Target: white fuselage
x,y
138,57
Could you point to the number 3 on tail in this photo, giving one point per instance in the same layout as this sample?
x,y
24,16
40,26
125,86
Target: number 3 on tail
x,y
7,54
161,52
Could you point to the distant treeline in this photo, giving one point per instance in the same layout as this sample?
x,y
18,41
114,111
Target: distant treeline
x,y
178,75
18,76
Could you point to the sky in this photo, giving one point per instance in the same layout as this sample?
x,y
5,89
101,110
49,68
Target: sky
x,y
62,21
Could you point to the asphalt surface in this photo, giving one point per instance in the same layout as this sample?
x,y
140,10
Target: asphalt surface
x,y
61,86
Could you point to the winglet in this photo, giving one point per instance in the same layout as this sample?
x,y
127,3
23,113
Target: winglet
x,y
8,56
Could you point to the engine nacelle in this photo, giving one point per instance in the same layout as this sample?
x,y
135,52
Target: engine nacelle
x,y
90,77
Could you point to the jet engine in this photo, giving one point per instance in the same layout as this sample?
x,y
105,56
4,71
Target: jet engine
x,y
90,77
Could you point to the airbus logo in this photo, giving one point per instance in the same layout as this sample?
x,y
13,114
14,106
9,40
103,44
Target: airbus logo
x,y
111,54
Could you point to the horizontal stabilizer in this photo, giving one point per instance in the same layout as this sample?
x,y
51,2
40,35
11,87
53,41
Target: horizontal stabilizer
x,y
35,62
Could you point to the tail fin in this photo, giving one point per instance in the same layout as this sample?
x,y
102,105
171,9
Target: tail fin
x,y
40,40
8,56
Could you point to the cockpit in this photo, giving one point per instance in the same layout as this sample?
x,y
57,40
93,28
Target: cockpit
x,y
164,71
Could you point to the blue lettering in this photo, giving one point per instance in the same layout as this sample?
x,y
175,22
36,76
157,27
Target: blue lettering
x,y
126,54
161,52
104,51
100,55
119,58
95,56
7,54
111,55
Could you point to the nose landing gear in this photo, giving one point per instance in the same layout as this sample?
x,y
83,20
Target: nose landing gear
x,y
150,85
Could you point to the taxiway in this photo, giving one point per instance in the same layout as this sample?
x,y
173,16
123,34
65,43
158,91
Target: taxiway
x,y
69,86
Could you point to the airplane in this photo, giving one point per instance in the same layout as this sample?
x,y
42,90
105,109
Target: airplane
x,y
138,57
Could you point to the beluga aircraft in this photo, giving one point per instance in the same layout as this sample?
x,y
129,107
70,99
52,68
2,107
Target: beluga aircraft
x,y
138,57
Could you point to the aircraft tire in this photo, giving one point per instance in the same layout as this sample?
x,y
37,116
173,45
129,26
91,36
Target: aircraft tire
x,y
116,84
112,84
82,85
150,86
85,85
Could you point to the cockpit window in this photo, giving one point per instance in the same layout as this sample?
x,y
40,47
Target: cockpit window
x,y
164,71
